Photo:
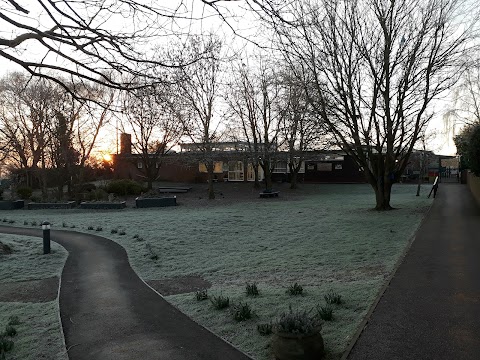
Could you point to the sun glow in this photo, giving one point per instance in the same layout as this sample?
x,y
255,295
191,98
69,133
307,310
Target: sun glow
x,y
107,157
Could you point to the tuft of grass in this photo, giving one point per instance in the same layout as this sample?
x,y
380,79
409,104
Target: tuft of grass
x,y
64,224
10,330
13,320
11,221
295,289
72,227
25,222
333,298
6,345
121,232
220,302
33,223
201,295
136,236
5,220
90,227
113,231
99,228
265,329
325,312
242,312
252,289
298,322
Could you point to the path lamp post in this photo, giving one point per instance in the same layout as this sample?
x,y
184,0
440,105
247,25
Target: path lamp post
x,y
46,237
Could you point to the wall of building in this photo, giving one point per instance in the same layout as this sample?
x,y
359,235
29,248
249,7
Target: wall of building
x,y
474,185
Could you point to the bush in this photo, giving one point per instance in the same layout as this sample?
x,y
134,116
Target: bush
x,y
264,329
333,298
201,295
10,331
298,323
99,228
90,227
124,187
13,320
97,195
295,289
220,302
242,312
24,192
252,289
325,313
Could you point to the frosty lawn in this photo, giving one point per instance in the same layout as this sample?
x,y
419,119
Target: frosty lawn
x,y
328,240
39,334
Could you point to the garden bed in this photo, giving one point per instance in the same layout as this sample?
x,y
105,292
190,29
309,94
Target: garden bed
x,y
12,204
155,202
103,205
39,206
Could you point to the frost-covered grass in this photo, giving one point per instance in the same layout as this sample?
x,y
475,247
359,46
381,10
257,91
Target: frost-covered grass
x,y
39,335
27,261
330,239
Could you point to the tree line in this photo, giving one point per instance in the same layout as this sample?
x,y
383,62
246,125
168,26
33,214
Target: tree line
x,y
362,75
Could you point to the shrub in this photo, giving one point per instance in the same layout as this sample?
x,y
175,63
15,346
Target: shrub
x,y
252,289
136,236
25,222
24,192
72,227
264,329
333,298
11,221
298,323
121,232
99,228
90,227
201,295
325,313
5,345
97,194
124,187
295,289
113,231
242,312
4,220
33,223
220,302
64,224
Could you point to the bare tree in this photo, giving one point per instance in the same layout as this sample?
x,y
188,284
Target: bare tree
x,y
151,114
256,101
198,87
88,40
376,66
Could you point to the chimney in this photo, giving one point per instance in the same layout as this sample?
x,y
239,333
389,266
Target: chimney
x,y
125,144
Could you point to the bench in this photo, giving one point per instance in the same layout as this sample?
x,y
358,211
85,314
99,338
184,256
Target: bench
x,y
269,194
173,189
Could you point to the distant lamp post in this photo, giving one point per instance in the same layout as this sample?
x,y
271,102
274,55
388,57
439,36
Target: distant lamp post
x,y
46,237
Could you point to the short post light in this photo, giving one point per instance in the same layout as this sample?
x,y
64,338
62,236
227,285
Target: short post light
x,y
46,237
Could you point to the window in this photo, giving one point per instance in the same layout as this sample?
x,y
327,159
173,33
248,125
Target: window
x,y
324,166
139,165
280,167
235,171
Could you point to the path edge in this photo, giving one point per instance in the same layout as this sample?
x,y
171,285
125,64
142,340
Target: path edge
x,y
201,325
382,290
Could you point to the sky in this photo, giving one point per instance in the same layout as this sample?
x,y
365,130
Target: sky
x,y
206,20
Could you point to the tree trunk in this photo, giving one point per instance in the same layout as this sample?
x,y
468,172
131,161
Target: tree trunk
x,y
293,179
268,176
256,184
211,192
383,191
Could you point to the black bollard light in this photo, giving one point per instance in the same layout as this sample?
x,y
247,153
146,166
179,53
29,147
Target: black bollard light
x,y
46,237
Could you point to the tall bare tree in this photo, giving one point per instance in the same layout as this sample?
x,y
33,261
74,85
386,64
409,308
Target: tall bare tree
x,y
152,116
198,90
376,66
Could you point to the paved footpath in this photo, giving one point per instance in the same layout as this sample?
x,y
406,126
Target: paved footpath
x,y
108,313
431,309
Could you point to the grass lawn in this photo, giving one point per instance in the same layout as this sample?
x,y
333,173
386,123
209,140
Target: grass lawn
x,y
327,240
39,334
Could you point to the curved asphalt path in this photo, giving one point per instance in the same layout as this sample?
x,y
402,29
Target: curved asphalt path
x,y
431,308
108,313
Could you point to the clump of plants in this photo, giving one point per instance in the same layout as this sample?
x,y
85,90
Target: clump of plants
x,y
33,223
201,295
4,220
242,312
5,249
6,342
24,192
220,302
152,254
295,289
64,224
25,222
124,187
265,329
333,298
252,289
121,232
114,231
325,312
72,227
11,221
99,228
90,227
298,322
136,236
